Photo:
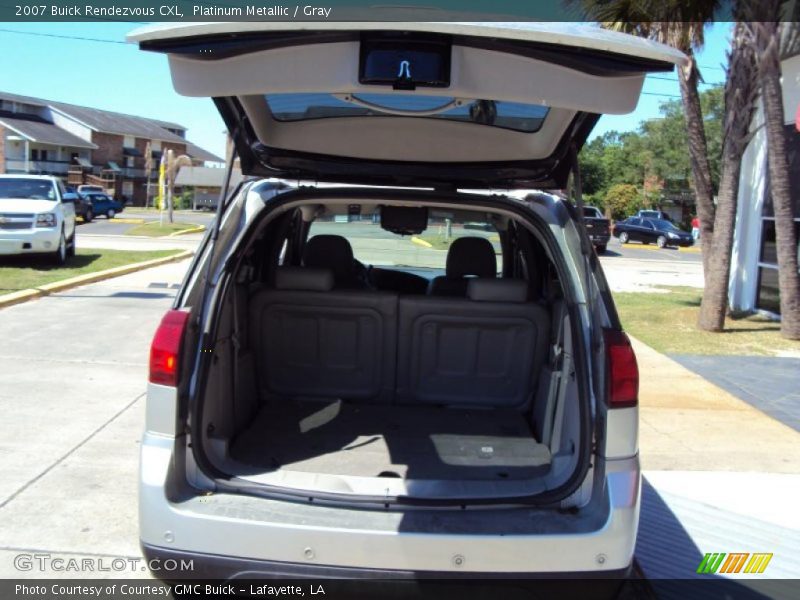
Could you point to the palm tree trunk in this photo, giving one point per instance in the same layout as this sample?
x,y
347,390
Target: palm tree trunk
x,y
698,152
767,41
740,93
169,198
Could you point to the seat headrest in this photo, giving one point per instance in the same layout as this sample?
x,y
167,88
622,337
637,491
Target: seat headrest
x,y
471,256
330,252
497,290
304,279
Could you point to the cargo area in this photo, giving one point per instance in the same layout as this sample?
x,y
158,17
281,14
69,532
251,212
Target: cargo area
x,y
391,441
334,374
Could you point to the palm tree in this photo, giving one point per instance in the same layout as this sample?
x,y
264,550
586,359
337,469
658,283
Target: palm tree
x,y
740,98
174,164
765,36
680,24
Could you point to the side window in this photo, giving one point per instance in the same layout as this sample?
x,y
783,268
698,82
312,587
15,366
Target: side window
x,y
649,224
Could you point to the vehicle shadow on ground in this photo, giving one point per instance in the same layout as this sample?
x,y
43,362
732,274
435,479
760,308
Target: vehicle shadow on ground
x,y
610,254
669,558
41,263
695,303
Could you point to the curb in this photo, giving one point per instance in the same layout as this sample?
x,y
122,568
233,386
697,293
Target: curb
x,y
654,248
185,231
59,286
421,242
126,221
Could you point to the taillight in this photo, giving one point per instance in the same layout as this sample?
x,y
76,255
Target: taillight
x,y
623,372
165,351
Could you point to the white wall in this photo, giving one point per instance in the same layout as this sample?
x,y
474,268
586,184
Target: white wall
x,y
791,87
743,283
747,234
14,149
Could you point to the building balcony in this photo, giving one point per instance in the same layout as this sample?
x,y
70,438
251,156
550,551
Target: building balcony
x,y
37,167
132,173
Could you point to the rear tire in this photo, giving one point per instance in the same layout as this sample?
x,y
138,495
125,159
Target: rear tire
x,y
88,217
624,237
71,245
661,242
59,257
601,249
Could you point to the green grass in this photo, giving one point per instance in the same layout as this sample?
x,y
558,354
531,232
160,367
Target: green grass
x,y
25,272
155,229
667,322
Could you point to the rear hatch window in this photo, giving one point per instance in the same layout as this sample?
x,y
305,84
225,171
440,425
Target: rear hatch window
x,y
493,113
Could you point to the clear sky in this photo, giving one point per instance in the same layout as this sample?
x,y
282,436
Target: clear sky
x,y
66,62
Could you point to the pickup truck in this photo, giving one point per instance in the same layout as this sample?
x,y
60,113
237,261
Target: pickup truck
x,y
37,216
597,226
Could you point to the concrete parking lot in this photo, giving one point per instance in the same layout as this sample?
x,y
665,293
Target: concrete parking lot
x,y
72,389
637,268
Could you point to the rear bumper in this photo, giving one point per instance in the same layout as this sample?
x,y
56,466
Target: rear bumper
x,y
229,532
212,566
599,239
29,241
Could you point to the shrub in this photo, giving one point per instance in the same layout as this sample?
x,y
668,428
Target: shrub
x,y
623,200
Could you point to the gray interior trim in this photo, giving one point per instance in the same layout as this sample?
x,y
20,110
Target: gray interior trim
x,y
497,290
307,278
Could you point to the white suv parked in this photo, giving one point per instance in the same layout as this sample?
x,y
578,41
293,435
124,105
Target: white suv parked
x,y
380,374
37,216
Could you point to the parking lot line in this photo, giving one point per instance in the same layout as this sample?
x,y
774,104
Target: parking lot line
x,y
694,249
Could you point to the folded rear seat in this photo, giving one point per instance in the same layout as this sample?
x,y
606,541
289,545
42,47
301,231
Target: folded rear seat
x,y
482,351
313,341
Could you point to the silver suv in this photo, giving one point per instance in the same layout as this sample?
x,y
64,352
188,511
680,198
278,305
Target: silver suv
x,y
378,373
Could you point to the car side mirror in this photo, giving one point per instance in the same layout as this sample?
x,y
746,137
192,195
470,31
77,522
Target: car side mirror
x,y
68,197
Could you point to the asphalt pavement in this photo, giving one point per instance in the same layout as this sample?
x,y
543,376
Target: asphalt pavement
x,y
132,217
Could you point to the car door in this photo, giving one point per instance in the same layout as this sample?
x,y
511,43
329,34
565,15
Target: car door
x,y
649,233
467,105
68,210
632,227
100,203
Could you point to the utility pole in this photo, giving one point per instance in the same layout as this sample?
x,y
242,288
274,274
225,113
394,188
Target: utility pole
x,y
148,169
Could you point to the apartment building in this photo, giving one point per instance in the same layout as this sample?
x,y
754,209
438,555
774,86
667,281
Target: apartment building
x,y
87,145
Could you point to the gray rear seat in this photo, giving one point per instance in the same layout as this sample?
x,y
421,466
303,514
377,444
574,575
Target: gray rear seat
x,y
313,341
467,257
482,351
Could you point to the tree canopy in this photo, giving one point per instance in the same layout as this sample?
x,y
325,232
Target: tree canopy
x,y
653,158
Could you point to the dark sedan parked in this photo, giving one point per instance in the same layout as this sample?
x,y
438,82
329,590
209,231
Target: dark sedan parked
x,y
101,204
657,231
